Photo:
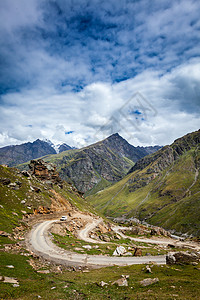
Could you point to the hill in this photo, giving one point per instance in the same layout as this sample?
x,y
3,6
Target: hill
x,y
39,192
94,167
162,188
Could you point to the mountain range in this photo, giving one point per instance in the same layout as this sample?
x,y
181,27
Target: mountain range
x,y
93,168
90,169
161,188
18,154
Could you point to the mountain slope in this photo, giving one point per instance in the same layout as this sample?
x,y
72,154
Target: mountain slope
x,y
42,192
94,167
162,188
18,154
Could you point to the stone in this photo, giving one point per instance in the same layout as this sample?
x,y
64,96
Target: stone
x,y
148,269
88,247
128,254
23,202
10,266
120,250
43,271
3,233
148,281
26,173
138,252
102,283
121,282
105,238
5,181
182,258
96,247
13,186
102,228
10,280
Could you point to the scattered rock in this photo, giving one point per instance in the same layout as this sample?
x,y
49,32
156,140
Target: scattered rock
x,y
88,247
120,250
15,285
138,252
10,266
102,283
171,245
148,281
5,181
104,238
13,186
182,258
128,254
102,228
10,280
43,271
148,269
26,173
3,233
96,247
23,202
121,282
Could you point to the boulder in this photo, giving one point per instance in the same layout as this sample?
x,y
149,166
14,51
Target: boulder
x,y
102,229
88,247
26,173
120,250
5,181
182,258
138,252
148,281
3,233
148,269
102,283
121,282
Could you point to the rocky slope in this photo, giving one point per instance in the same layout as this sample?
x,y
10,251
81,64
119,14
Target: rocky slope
x,y
94,167
39,191
162,188
17,154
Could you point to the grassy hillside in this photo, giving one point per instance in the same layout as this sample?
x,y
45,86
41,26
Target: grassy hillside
x,y
162,190
11,208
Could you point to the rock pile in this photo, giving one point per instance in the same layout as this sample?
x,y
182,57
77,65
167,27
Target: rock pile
x,y
45,172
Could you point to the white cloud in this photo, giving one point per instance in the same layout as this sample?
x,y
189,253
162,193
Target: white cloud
x,y
172,110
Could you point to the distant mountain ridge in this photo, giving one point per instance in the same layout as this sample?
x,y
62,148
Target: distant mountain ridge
x,y
18,154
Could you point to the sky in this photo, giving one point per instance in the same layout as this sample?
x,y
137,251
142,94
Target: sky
x,y
77,71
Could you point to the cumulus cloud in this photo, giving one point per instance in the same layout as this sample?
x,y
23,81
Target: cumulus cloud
x,y
73,65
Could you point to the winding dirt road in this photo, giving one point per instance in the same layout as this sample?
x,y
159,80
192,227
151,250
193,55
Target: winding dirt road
x,y
40,243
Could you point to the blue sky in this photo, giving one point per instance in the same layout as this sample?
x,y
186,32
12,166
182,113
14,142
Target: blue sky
x,y
71,66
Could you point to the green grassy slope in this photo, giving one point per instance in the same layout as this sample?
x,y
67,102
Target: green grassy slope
x,y
170,198
11,208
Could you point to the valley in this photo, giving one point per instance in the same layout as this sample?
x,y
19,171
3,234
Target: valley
x,y
104,248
